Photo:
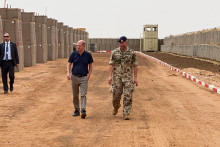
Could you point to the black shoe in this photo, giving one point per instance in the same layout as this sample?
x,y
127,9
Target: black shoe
x,y
83,115
5,92
76,113
11,89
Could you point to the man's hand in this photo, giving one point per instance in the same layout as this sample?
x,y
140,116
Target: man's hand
x,y
17,65
68,76
136,82
88,76
110,80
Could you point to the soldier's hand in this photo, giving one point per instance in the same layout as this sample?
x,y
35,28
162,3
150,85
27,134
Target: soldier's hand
x,y
136,82
110,80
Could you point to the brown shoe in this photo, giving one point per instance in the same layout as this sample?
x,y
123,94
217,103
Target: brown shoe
x,y
126,117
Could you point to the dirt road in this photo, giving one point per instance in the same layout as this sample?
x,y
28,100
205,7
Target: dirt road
x,y
168,110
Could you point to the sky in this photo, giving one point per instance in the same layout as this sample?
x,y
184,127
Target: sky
x,y
115,18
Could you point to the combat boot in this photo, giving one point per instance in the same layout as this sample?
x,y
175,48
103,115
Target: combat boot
x,y
126,117
115,111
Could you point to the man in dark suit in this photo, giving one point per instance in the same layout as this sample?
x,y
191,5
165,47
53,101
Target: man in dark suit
x,y
8,59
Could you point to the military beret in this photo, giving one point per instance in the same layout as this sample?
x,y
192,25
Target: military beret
x,y
122,39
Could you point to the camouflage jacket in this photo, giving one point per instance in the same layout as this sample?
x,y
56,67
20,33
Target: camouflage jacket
x,y
123,63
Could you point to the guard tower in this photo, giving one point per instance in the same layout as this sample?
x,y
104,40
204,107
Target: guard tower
x,y
150,42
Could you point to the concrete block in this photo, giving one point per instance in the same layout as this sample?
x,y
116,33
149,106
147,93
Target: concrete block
x,y
14,28
27,17
29,42
10,13
41,19
30,55
66,41
41,41
51,32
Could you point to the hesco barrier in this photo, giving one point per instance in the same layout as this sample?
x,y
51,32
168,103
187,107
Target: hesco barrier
x,y
70,41
66,41
60,40
41,38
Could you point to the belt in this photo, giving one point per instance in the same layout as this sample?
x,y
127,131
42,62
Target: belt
x,y
79,75
7,60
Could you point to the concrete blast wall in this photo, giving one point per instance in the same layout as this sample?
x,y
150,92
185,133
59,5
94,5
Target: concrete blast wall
x,y
107,44
51,38
203,51
74,36
56,40
211,38
70,41
11,23
66,41
200,44
29,39
60,40
41,38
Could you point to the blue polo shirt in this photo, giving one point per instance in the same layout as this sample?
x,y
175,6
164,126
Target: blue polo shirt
x,y
80,62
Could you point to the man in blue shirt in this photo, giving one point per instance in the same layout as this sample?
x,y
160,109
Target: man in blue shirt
x,y
81,72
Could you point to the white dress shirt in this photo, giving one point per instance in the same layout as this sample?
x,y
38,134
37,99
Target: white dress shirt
x,y
9,51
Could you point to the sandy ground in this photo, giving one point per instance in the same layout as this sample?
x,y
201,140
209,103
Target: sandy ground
x,y
168,110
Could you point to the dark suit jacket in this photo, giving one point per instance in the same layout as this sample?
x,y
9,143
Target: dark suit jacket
x,y
14,53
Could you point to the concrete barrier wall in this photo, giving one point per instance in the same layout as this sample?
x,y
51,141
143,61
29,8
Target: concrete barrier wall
x,y
38,38
11,23
14,28
29,38
41,38
66,41
70,41
203,51
51,38
199,44
60,40
105,44
29,42
56,40
210,37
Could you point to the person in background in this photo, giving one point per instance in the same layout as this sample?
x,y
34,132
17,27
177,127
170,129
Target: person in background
x,y
81,72
8,59
123,62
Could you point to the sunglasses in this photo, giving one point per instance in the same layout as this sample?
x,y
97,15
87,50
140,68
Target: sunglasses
x,y
6,36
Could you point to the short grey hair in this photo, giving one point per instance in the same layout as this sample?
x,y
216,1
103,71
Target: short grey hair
x,y
83,42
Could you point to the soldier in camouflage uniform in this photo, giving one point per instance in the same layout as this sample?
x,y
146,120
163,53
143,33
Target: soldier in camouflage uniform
x,y
122,63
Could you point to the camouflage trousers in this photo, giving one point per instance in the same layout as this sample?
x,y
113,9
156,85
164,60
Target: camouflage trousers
x,y
125,88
